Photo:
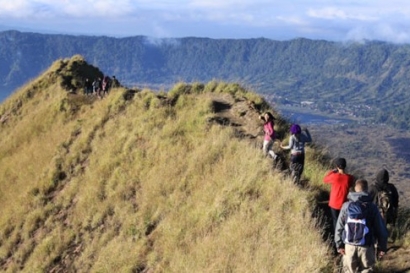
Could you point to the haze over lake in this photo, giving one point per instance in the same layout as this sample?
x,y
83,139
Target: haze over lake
x,y
312,119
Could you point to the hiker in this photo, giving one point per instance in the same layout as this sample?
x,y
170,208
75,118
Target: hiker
x,y
296,146
97,87
269,138
385,196
105,85
88,87
358,227
115,82
340,183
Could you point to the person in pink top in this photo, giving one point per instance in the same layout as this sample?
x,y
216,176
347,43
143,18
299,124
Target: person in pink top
x,y
340,183
269,138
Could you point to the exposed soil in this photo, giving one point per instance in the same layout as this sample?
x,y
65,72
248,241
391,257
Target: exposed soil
x,y
239,114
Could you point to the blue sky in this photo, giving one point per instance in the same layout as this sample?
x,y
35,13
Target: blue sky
x,y
333,20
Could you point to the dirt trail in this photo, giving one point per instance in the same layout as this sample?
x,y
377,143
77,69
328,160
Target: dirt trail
x,y
239,114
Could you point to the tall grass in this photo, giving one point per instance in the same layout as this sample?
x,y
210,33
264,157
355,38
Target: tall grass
x,y
146,185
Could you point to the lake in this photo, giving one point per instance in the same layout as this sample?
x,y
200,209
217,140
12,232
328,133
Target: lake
x,y
312,119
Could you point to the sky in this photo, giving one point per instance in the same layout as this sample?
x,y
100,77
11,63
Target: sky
x,y
332,20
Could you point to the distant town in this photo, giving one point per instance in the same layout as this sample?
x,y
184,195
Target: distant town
x,y
309,111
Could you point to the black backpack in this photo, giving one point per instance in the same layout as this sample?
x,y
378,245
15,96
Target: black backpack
x,y
384,203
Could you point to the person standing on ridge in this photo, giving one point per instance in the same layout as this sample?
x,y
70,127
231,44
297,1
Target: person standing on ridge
x,y
115,82
359,226
97,86
340,183
88,87
296,146
105,85
269,138
385,196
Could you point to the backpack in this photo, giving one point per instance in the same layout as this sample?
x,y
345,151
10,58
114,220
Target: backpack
x,y
356,227
384,203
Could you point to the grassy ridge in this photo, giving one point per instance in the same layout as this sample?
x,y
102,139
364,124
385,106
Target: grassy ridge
x,y
142,182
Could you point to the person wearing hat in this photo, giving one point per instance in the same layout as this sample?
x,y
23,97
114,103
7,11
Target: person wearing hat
x,y
382,189
340,183
269,138
296,145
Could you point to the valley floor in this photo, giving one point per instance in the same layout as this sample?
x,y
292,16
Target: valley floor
x,y
367,148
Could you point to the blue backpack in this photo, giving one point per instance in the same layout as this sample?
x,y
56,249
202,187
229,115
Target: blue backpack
x,y
356,227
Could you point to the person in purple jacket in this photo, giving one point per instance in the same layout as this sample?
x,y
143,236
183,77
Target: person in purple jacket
x,y
296,146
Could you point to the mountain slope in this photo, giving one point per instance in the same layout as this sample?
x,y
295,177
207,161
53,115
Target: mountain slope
x,y
152,182
144,182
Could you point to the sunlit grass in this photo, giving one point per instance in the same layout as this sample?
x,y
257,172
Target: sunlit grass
x,y
147,183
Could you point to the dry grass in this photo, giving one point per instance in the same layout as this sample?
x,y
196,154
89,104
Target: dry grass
x,y
146,184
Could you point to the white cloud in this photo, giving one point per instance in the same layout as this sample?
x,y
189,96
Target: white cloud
x,y
17,8
331,13
292,20
316,19
382,32
225,4
66,8
161,41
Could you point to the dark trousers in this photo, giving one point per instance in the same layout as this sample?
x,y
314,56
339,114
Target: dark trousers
x,y
335,215
297,163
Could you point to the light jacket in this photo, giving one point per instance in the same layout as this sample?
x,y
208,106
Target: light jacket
x,y
297,143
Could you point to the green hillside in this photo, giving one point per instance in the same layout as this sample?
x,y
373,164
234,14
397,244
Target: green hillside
x,y
365,81
144,181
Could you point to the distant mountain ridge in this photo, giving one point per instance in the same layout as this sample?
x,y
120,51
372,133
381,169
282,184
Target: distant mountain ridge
x,y
368,80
